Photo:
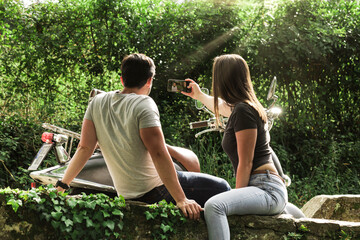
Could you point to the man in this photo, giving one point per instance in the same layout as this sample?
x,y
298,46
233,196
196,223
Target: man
x,y
126,125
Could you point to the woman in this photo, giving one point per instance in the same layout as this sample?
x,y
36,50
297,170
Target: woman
x,y
259,189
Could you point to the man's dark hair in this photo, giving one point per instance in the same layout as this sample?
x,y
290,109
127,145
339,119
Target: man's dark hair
x,y
136,69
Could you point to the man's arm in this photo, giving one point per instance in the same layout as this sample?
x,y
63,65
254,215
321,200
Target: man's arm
x,y
154,141
84,151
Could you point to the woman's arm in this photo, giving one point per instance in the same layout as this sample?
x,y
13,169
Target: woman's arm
x,y
84,151
245,140
186,157
207,100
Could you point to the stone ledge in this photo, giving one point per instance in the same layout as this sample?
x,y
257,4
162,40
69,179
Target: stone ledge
x,y
335,207
137,227
276,227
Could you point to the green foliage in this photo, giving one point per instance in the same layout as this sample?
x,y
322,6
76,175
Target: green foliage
x,y
302,230
311,47
211,157
345,236
168,215
88,217
293,236
325,167
18,144
52,54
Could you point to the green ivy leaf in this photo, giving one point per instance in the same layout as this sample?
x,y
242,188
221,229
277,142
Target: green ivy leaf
x,y
78,218
89,223
165,228
81,203
118,213
105,213
55,224
24,196
39,200
303,228
46,216
52,195
76,234
57,208
14,203
68,222
149,215
56,215
90,205
105,205
110,224
98,216
172,211
121,225
72,202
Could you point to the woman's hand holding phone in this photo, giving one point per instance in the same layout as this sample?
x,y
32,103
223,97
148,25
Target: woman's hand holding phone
x,y
195,89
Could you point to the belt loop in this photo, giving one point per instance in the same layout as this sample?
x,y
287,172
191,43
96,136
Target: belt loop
x,y
268,173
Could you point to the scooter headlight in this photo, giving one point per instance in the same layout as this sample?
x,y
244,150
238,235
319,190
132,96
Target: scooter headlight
x,y
275,111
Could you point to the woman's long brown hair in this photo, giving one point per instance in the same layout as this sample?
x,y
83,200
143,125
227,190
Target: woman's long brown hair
x,y
232,82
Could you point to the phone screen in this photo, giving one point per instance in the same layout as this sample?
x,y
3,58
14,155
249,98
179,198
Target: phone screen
x,y
175,85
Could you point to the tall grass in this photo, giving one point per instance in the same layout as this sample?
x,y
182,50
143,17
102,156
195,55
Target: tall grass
x,y
213,160
335,168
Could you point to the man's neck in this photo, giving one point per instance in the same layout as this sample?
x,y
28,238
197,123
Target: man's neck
x,y
139,91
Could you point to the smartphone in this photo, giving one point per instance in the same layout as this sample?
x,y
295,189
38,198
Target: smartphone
x,y
176,85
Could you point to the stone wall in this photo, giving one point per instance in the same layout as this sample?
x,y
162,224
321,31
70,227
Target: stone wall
x,y
137,227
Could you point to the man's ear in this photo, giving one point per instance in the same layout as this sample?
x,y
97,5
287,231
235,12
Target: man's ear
x,y
122,81
149,82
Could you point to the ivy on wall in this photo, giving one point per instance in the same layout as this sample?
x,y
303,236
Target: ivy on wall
x,y
88,216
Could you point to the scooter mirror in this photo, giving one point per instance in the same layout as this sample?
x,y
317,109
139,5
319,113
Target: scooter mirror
x,y
93,93
271,92
199,105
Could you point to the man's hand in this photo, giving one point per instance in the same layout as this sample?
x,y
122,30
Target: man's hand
x,y
190,208
60,189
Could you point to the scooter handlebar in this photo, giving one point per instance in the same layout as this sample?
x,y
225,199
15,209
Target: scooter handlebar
x,y
199,124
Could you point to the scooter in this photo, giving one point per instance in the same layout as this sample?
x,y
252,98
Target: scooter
x,y
95,176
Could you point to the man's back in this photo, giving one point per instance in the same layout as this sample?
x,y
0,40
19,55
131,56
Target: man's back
x,y
118,118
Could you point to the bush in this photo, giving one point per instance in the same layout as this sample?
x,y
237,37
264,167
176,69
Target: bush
x,y
53,54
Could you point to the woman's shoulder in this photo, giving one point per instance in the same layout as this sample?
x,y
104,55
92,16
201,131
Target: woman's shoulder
x,y
243,106
244,109
243,117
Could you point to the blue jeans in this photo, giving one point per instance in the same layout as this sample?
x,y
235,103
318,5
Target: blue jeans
x,y
266,194
197,186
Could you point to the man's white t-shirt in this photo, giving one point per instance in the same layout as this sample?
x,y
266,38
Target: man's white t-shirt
x,y
118,118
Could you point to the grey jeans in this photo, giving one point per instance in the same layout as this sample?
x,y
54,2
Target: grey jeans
x,y
265,195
